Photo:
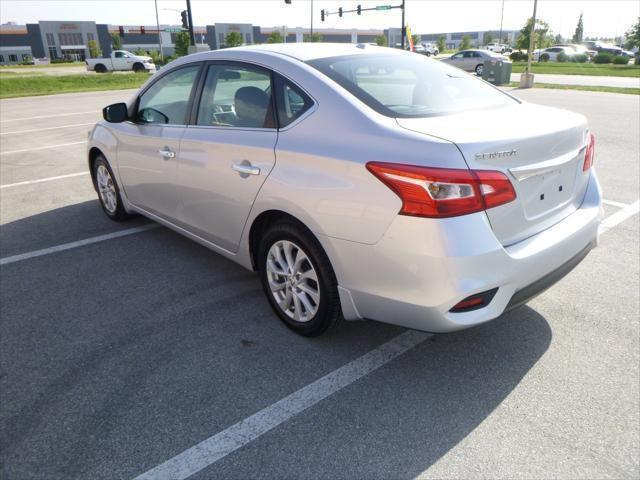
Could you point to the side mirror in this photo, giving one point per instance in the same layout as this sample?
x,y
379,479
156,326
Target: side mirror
x,y
115,113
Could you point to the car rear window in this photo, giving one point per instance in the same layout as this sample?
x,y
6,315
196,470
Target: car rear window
x,y
407,86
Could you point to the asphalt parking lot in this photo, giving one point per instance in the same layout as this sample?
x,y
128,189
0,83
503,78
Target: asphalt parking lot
x,y
138,351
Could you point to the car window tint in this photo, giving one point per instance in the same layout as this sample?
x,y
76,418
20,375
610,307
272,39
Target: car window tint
x,y
236,96
166,101
292,102
409,85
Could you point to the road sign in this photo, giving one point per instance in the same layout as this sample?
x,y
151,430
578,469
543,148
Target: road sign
x,y
173,29
383,7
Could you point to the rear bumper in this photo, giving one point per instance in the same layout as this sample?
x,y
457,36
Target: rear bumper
x,y
421,268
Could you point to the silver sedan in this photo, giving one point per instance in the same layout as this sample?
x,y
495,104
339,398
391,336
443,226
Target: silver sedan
x,y
359,182
471,60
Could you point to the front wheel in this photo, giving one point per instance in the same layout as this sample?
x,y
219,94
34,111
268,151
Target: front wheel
x,y
298,279
108,192
138,68
479,70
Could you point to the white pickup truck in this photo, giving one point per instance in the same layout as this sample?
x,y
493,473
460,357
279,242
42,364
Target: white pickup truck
x,y
121,60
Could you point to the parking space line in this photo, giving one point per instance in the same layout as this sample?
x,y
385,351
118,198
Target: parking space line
x,y
613,203
245,431
48,128
619,217
42,148
41,180
79,243
48,116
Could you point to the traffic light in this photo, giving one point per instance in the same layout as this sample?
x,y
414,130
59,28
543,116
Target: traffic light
x,y
322,15
142,31
185,19
121,30
288,2
340,12
359,10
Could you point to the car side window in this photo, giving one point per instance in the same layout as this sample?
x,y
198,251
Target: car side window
x,y
167,100
119,54
236,95
291,101
458,56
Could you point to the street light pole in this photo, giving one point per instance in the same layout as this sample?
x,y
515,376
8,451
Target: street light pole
x,y
403,31
311,30
192,37
526,79
501,19
159,35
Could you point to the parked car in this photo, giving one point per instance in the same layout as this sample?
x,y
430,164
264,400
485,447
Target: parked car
x,y
427,49
579,49
471,60
358,181
121,60
608,48
498,48
553,53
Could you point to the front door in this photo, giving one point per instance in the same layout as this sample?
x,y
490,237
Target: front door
x,y
227,155
149,146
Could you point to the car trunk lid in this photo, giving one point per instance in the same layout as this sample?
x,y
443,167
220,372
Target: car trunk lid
x,y
540,149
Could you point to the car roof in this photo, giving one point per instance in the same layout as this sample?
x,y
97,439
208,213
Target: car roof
x,y
312,51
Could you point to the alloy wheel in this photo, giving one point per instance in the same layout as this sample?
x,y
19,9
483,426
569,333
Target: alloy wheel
x,y
106,189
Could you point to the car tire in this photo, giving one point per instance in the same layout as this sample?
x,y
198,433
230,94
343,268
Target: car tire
x,y
302,290
99,68
108,190
428,54
138,68
479,69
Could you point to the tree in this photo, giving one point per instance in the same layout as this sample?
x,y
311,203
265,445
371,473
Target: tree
x,y
466,43
116,41
314,38
94,51
633,36
275,37
381,41
415,39
182,43
558,39
542,39
442,45
233,39
488,38
577,36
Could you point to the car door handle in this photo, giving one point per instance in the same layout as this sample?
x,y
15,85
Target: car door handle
x,y
246,169
166,153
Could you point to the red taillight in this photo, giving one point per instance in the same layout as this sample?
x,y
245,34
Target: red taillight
x,y
589,152
443,192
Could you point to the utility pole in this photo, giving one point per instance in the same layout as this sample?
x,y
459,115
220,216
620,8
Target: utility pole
x,y
501,19
403,30
526,79
192,37
311,30
159,34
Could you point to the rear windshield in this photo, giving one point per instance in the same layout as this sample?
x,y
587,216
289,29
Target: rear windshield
x,y
410,86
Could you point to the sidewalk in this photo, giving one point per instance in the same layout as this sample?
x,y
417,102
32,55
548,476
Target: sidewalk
x,y
587,80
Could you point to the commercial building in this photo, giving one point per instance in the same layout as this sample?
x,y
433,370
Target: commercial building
x,y
70,40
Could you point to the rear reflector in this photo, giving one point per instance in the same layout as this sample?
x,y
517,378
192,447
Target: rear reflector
x,y
443,192
474,302
589,152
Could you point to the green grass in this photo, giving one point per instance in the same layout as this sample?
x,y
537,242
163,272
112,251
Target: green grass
x,y
587,88
72,64
580,69
49,84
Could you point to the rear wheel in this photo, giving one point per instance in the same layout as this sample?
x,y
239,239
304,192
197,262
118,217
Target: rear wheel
x,y
99,68
479,70
108,192
298,279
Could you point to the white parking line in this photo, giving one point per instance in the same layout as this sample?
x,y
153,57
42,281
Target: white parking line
x,y
79,243
42,148
48,128
222,444
49,116
41,180
613,203
619,217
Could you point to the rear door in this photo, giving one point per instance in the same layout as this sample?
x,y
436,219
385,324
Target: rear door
x,y
149,146
228,151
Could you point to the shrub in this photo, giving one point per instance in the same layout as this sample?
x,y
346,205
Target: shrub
x,y
620,60
544,57
518,57
580,58
562,57
602,58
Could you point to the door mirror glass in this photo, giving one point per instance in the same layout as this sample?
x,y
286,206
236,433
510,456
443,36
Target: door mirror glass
x,y
151,115
115,113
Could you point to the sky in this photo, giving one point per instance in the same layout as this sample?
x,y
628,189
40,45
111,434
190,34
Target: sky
x,y
601,17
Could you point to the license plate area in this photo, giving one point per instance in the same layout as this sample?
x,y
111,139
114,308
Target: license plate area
x,y
548,191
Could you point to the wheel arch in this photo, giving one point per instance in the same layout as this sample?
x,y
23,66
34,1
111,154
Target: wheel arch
x,y
94,152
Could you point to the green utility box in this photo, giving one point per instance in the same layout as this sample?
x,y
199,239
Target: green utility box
x,y
497,71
